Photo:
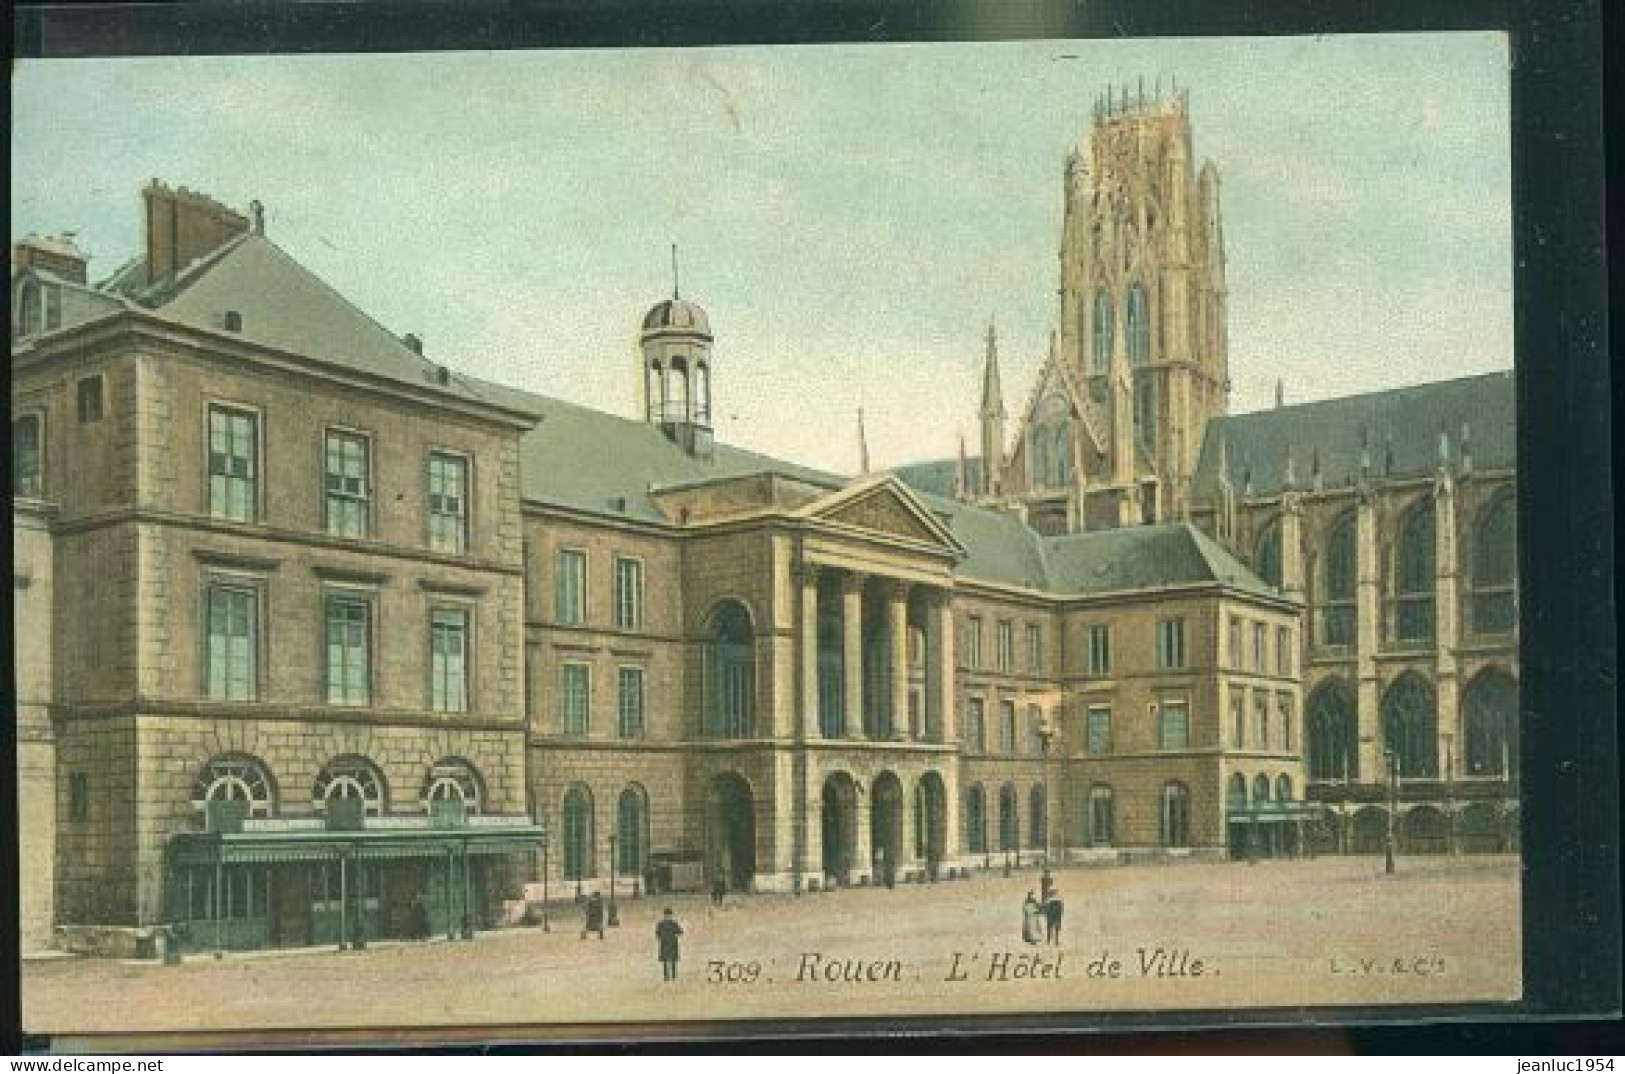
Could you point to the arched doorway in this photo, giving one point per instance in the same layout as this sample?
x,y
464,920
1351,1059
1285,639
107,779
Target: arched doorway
x,y
840,827
1479,829
1424,830
1369,831
930,822
733,831
886,826
1490,722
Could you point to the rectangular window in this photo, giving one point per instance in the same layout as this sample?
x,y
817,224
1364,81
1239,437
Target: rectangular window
x,y
53,308
1007,727
448,653
1035,647
1284,704
26,471
233,464
973,641
630,709
628,593
448,502
1170,644
349,651
1238,718
233,649
570,587
1258,646
1007,645
1035,730
1261,713
1100,817
1236,659
349,484
1098,741
976,725
1173,726
574,697
1100,650
90,399
78,797
1283,650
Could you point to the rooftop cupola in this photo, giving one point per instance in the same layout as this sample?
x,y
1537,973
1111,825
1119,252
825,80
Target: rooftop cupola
x,y
675,352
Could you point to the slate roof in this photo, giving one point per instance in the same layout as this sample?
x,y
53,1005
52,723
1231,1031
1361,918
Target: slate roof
x,y
1175,553
936,476
1402,426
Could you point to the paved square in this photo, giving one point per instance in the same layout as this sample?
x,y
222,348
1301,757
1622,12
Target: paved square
x,y
1275,934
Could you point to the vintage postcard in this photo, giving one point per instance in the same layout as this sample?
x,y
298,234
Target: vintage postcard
x,y
598,538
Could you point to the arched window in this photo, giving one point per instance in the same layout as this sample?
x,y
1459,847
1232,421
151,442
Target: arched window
x,y
1339,576
1267,559
1176,815
1236,794
631,832
1037,818
732,685
577,832
351,778
1009,823
976,820
235,778
1100,816
677,386
1139,326
702,393
1331,731
1493,568
1063,455
1490,723
1410,725
1261,788
1413,575
453,779
1283,788
1101,356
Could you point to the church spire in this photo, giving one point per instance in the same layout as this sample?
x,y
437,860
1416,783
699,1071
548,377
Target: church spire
x,y
863,445
962,488
993,415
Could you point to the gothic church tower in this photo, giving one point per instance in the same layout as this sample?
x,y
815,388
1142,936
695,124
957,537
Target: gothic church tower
x,y
1142,308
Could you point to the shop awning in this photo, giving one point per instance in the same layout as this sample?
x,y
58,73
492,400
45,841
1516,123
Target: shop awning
x,y
275,847
1275,812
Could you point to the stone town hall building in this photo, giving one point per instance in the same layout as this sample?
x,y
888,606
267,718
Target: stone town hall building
x,y
320,640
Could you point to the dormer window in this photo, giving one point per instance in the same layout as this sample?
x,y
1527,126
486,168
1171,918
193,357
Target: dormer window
x,y
29,313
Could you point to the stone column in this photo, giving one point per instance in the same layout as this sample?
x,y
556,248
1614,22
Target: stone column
x,y
1292,580
1367,634
942,615
852,653
933,716
862,851
897,639
1447,624
810,725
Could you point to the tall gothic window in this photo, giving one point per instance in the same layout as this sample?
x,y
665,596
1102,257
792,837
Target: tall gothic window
x,y
1410,726
1493,569
1062,455
1037,818
1331,731
732,684
1139,327
1490,723
1414,576
1038,463
1009,822
631,832
1339,575
1101,355
1267,561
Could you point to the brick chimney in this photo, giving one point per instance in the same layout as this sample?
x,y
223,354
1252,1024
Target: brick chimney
x,y
182,226
56,254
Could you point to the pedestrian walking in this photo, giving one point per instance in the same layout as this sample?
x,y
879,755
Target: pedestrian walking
x,y
1032,915
594,916
667,931
1053,909
719,888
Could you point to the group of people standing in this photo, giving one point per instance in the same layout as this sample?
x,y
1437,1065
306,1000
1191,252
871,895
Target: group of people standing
x,y
1041,916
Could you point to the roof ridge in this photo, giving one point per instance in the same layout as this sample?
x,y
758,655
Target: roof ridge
x,y
1373,393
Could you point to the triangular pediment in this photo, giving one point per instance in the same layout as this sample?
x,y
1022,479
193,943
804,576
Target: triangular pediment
x,y
887,507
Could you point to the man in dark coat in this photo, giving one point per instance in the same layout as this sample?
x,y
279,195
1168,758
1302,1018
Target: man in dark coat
x,y
1052,917
595,916
667,930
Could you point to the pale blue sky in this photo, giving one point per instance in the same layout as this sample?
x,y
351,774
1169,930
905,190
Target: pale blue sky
x,y
849,216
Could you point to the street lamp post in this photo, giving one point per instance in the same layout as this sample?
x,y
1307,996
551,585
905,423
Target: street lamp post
x,y
1393,809
614,915
545,927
